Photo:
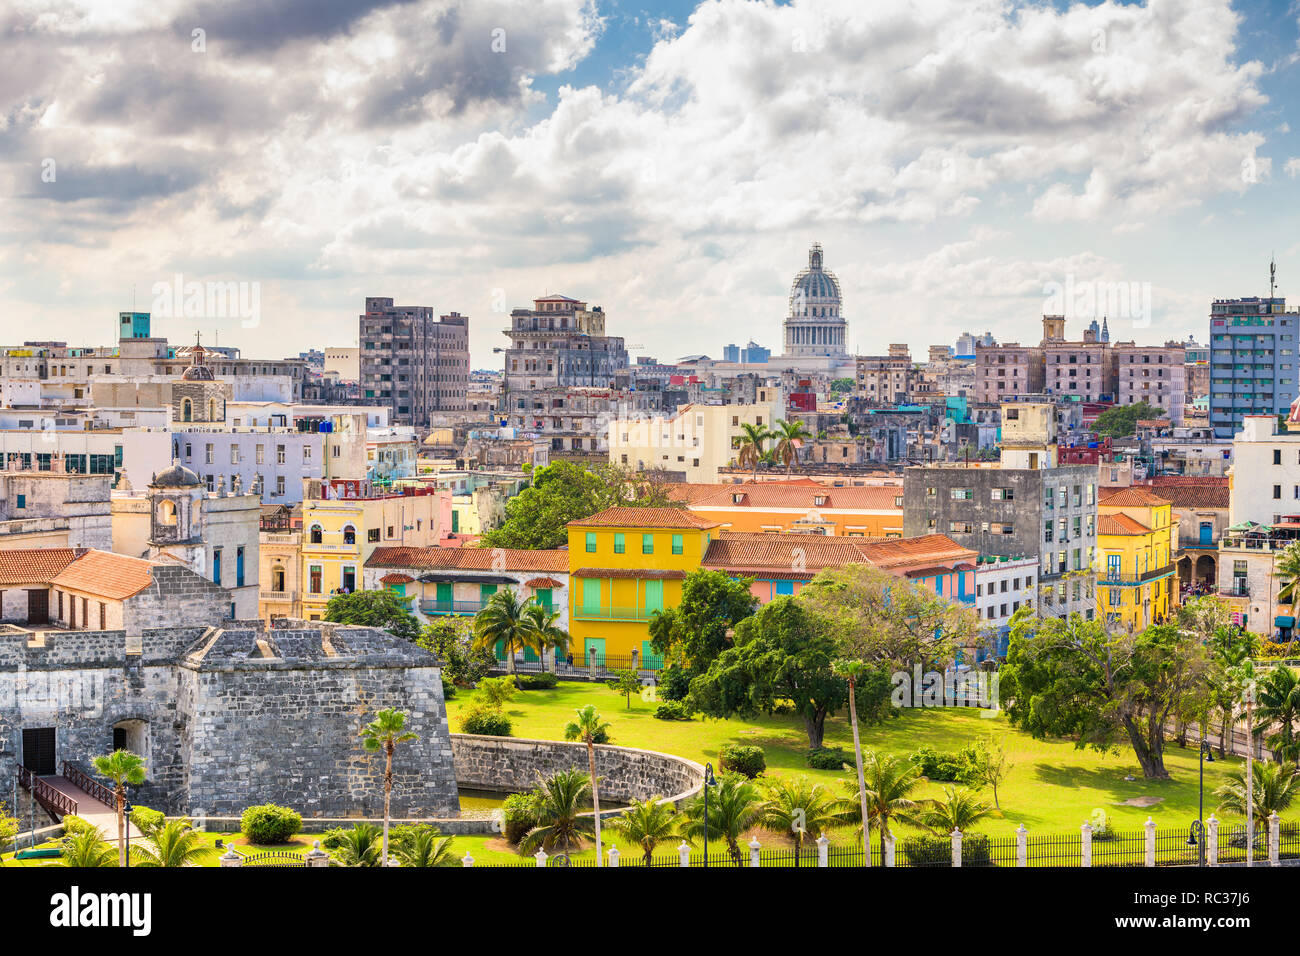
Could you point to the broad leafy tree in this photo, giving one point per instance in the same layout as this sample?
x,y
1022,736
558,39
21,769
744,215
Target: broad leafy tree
x,y
695,632
451,639
384,608
1071,678
1121,421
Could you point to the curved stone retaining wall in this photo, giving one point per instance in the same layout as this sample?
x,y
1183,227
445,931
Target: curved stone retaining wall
x,y
512,765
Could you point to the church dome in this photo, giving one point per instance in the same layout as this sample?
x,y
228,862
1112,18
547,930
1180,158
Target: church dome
x,y
197,373
176,476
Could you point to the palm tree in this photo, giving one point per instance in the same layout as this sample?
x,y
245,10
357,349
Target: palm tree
x,y
425,846
647,823
560,808
887,793
385,732
360,846
122,767
733,809
502,621
797,807
788,436
1286,567
959,810
87,849
853,671
543,633
587,728
750,443
173,843
1275,789
1279,705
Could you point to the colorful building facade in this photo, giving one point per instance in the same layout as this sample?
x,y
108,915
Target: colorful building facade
x,y
1136,543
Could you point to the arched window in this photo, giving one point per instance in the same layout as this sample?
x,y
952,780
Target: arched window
x,y
187,410
212,409
316,534
349,535
277,577
167,512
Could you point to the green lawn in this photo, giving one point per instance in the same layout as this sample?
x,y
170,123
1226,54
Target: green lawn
x,y
1052,787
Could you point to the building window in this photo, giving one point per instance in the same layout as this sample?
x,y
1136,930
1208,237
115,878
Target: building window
x,y
239,567
677,544
372,534
314,579
591,542
216,565
619,543
647,544
317,534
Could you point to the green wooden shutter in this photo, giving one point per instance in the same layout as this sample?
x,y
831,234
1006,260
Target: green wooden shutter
x,y
654,596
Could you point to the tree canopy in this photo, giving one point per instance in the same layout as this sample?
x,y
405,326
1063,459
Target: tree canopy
x,y
563,491
1121,421
384,608
695,632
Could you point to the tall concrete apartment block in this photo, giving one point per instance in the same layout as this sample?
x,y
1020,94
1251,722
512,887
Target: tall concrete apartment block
x,y
1024,506
1252,360
413,363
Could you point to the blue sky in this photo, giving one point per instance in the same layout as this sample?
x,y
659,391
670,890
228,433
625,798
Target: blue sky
x,y
671,162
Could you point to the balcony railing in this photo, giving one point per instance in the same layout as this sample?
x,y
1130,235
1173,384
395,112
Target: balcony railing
x,y
1258,544
1110,579
613,613
266,595
451,607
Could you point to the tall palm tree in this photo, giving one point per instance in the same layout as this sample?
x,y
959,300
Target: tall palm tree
x,y
87,849
647,823
122,767
1286,568
797,807
543,633
560,808
1275,789
360,846
587,728
853,671
750,442
425,846
960,809
385,732
502,621
788,437
172,843
1279,709
733,809
889,784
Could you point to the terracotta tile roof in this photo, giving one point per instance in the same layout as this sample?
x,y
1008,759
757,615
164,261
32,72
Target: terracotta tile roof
x,y
396,577
771,494
1131,497
34,565
543,583
758,551
894,552
1120,524
468,559
644,518
650,574
1193,492
105,574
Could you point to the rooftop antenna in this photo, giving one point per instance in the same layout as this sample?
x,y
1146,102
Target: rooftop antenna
x,y
1272,279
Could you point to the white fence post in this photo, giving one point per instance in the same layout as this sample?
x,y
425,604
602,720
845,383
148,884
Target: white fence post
x,y
231,858
1212,840
684,853
1150,827
1086,845
466,860
956,847
823,856
889,850
1021,842
540,857
613,856
1274,838
316,856
754,847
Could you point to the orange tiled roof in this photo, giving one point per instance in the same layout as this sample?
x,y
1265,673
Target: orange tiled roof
x,y
763,551
1193,491
34,565
396,577
1120,524
1131,497
543,583
468,559
103,573
644,518
893,552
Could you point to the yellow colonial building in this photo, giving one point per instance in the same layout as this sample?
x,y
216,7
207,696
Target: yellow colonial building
x,y
1136,543
625,564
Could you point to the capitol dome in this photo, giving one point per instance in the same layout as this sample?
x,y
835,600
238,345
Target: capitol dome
x,y
814,325
815,291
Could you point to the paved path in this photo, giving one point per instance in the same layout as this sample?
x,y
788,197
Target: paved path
x,y
89,809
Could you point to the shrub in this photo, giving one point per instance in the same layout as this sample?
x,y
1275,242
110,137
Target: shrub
x,y
269,823
673,710
742,759
674,683
519,815
146,819
937,851
496,692
956,767
482,719
73,824
830,758
332,838
448,688
1275,649
546,681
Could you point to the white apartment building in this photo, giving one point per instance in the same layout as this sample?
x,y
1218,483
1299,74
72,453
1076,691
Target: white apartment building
x,y
1265,473
695,442
1003,585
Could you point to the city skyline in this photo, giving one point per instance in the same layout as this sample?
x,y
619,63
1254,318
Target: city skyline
x,y
592,150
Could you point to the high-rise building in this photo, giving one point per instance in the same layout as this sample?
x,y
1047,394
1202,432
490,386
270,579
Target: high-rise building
x,y
1252,360
413,363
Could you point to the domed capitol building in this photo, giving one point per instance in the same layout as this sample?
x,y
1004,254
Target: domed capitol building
x,y
814,325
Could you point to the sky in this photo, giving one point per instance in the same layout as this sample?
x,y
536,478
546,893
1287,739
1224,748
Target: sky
x,y
967,165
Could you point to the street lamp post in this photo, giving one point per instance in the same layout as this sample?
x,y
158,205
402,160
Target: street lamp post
x,y
709,781
126,809
1196,837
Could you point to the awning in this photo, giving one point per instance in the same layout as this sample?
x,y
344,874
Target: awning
x,y
1284,621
